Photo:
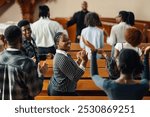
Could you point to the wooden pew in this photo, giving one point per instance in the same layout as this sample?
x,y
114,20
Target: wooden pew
x,y
101,63
102,71
148,35
76,47
71,30
83,85
71,98
77,98
107,23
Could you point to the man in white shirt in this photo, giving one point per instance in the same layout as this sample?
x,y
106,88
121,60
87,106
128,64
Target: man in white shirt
x,y
44,31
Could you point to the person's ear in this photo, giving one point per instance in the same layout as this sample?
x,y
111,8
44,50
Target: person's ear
x,y
5,43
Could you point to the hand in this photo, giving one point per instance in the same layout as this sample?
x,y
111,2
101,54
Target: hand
x,y
147,50
88,44
43,68
78,57
79,37
101,51
34,59
83,56
49,55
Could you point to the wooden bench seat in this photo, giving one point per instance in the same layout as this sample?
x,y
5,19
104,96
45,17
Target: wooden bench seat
x,y
71,98
101,63
148,35
85,85
77,98
76,47
102,71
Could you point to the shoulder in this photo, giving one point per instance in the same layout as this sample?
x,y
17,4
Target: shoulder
x,y
99,29
78,12
115,26
59,57
55,23
118,46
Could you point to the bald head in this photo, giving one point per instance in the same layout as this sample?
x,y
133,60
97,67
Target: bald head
x,y
84,5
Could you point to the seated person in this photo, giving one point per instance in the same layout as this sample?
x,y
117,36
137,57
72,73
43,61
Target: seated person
x,y
21,81
66,71
29,46
124,87
133,37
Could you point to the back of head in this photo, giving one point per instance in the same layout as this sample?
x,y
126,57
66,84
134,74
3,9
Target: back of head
x,y
92,19
57,38
13,34
133,36
130,19
123,15
129,62
23,22
43,11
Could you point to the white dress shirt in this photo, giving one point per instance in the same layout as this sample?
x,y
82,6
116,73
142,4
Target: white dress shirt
x,y
117,33
44,30
120,46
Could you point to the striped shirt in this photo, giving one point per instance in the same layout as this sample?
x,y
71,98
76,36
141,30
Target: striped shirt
x,y
30,49
66,73
26,84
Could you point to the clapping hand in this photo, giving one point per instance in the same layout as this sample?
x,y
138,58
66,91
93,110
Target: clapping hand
x,y
147,50
43,68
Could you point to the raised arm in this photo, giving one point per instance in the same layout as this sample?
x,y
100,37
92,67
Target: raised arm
x,y
146,63
72,21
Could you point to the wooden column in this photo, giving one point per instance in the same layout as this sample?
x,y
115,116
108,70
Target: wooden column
x,y
27,8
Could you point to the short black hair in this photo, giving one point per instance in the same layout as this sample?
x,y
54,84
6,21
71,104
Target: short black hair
x,y
130,18
123,15
130,62
57,38
92,19
23,22
127,17
43,11
12,34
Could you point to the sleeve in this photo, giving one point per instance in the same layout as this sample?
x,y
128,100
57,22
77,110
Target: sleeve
x,y
99,81
73,72
118,46
33,82
112,39
72,21
82,45
59,28
140,52
32,34
146,67
94,70
101,40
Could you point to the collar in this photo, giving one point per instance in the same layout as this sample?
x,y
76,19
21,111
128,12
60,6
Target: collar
x,y
46,18
12,49
62,52
122,23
